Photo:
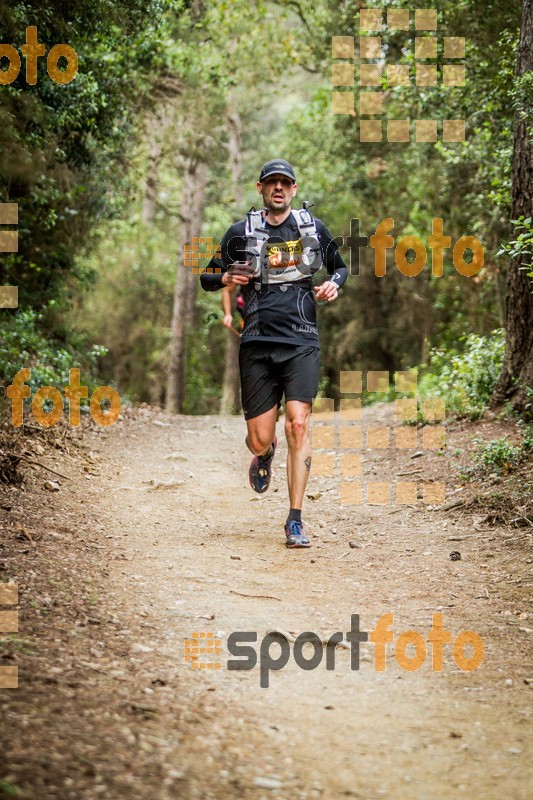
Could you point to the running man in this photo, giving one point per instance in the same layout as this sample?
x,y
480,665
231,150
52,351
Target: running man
x,y
271,259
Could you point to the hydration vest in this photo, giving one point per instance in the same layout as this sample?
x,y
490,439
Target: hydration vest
x,y
256,236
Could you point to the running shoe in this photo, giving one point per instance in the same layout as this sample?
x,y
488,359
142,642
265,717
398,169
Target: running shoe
x,y
261,470
294,531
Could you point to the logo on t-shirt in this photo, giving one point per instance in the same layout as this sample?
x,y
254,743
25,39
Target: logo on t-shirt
x,y
284,254
289,261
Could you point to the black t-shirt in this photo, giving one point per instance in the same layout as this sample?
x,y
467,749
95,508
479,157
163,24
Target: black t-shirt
x,y
279,305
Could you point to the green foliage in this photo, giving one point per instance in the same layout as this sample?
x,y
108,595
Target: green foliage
x,y
64,149
25,342
136,272
522,99
204,367
501,455
498,454
14,642
466,379
389,323
69,157
522,246
9,790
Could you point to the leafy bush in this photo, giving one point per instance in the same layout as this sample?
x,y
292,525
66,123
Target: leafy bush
x,y
24,343
503,456
466,379
523,244
498,454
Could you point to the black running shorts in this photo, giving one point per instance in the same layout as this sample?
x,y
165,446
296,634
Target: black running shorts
x,y
270,370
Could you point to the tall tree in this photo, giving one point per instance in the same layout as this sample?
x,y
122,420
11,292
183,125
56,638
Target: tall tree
x,y
192,214
64,148
157,124
516,378
230,402
216,60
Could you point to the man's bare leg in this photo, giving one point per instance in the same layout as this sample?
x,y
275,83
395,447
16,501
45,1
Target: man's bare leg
x,y
260,438
261,432
299,455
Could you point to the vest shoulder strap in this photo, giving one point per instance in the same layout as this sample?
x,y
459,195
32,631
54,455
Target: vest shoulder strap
x,y
254,220
256,235
304,220
306,223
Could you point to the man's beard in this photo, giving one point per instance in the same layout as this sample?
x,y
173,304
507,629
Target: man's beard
x,y
278,205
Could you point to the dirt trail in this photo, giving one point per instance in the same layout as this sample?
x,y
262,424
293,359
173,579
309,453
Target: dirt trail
x,y
176,557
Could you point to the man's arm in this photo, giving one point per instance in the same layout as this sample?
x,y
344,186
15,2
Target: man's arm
x,y
232,249
335,266
211,281
227,292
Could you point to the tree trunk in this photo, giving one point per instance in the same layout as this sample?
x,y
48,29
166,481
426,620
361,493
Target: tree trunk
x,y
158,125
231,402
195,179
517,371
231,394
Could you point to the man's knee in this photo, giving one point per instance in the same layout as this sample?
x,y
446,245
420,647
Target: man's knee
x,y
257,442
297,427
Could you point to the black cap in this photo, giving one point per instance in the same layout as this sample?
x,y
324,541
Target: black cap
x,y
277,167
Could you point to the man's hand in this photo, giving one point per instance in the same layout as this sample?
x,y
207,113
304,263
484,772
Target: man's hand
x,y
326,291
240,272
227,321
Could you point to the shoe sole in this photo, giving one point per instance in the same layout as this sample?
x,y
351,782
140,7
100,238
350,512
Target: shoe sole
x,y
298,544
254,460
